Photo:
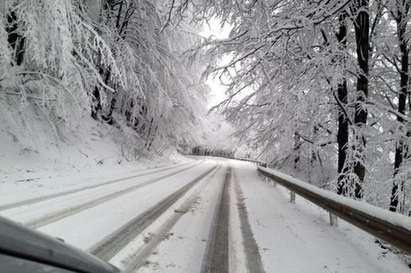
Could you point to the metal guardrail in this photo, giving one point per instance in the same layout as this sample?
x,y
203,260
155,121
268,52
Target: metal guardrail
x,y
257,162
387,228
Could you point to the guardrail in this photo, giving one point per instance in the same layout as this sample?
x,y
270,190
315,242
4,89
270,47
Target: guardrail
x,y
393,228
258,163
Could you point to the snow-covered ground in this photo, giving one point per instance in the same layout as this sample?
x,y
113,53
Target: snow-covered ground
x,y
298,238
290,238
198,214
38,161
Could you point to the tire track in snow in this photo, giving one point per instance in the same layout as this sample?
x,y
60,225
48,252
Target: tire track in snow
x,y
59,194
113,243
253,257
138,259
216,259
55,216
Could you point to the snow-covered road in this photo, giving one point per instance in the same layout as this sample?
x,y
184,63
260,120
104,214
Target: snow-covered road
x,y
213,215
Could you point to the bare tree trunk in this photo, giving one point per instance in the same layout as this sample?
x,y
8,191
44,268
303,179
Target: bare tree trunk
x,y
124,11
296,151
401,147
14,38
342,134
362,30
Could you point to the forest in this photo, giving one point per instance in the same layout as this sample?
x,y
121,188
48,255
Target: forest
x,y
317,88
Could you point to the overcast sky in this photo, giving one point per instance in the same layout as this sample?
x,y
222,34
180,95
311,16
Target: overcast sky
x,y
214,29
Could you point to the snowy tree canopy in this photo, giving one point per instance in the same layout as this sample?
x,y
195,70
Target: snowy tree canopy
x,y
320,87
113,60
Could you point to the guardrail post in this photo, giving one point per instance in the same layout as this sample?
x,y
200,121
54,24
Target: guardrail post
x,y
333,220
292,197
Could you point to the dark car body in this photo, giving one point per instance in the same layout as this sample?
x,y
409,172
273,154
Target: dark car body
x,y
25,250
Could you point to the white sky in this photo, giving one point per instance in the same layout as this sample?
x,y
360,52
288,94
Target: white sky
x,y
214,29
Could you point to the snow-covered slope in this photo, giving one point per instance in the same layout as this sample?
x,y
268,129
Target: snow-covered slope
x,y
39,151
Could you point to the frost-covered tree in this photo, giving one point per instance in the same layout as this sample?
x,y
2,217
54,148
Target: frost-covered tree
x,y
314,85
112,59
400,11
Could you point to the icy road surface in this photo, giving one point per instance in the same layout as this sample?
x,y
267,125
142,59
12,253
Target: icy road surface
x,y
212,215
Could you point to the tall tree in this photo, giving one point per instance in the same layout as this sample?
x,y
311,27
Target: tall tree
x,y
343,130
401,14
362,30
282,68
105,57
